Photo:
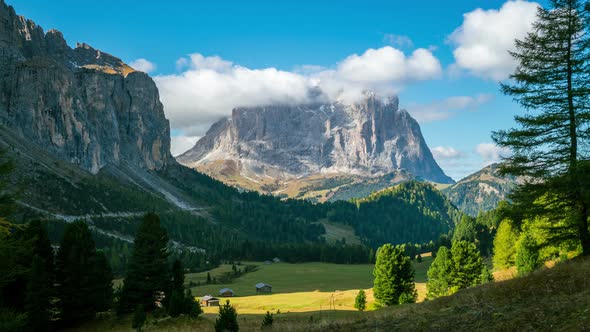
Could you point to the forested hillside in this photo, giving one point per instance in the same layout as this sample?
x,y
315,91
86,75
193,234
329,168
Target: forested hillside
x,y
409,212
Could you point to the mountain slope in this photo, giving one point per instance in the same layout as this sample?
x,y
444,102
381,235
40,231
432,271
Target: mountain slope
x,y
269,148
90,141
85,106
480,191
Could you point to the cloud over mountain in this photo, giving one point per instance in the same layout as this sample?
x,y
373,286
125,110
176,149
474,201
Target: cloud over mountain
x,y
209,87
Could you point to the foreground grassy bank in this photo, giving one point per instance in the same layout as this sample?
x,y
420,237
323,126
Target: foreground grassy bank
x,y
551,299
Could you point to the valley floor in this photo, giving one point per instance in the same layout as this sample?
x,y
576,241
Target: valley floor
x,y
552,299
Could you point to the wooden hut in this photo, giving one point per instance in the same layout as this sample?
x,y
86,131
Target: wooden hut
x,y
209,301
263,288
226,292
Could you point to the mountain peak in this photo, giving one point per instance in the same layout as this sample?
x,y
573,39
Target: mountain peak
x,y
371,137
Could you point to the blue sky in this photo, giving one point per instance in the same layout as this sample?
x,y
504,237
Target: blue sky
x,y
457,102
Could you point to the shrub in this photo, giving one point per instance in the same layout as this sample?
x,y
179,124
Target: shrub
x,y
360,302
267,321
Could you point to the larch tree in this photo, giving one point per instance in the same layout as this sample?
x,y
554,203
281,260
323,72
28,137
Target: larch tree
x,y
551,144
505,245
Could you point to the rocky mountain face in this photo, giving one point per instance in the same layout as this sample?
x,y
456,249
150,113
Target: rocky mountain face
x,y
85,106
481,191
370,138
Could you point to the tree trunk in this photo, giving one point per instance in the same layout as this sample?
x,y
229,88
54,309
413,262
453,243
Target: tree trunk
x,y
577,186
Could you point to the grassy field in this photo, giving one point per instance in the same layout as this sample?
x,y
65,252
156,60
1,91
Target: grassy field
x,y
337,232
300,287
306,294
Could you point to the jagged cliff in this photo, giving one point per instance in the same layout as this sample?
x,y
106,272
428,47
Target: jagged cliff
x,y
370,138
85,106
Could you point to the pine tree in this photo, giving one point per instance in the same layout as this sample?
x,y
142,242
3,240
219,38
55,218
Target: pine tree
x,y
551,146
467,265
455,269
177,276
439,274
527,255
394,276
191,307
147,271
465,229
505,245
76,268
102,281
360,302
227,320
42,247
177,301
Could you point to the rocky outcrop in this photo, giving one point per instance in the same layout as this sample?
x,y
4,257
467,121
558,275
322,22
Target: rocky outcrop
x,y
370,138
83,105
482,190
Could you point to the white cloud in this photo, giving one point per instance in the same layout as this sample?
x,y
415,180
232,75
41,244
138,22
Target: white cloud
x,y
210,87
485,37
143,65
180,144
491,153
444,109
445,152
400,41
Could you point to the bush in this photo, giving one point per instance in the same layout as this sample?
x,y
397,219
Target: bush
x,y
267,321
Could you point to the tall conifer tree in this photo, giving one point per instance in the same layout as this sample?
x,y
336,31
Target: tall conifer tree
x,y
551,145
82,275
147,272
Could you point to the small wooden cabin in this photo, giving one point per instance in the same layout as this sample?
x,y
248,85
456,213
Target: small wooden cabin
x,y
263,288
209,301
226,292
